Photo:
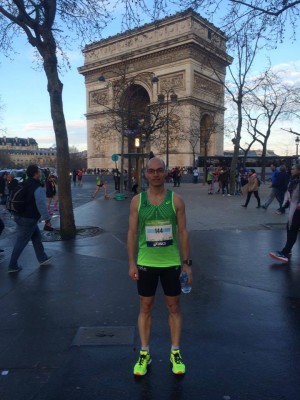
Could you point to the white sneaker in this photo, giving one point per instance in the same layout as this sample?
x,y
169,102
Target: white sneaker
x,y
47,261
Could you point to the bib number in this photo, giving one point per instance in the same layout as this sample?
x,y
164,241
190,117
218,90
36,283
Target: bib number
x,y
159,234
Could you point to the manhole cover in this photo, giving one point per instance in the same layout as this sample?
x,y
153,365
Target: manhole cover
x,y
104,336
81,232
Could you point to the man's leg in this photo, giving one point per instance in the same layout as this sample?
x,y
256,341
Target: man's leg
x,y
292,233
144,324
175,319
270,199
25,229
175,322
145,319
36,239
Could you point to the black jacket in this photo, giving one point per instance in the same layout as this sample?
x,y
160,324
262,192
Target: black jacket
x,y
31,210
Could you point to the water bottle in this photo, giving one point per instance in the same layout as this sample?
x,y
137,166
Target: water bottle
x,y
185,287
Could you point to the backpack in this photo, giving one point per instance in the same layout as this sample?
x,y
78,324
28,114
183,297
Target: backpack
x,y
258,182
16,202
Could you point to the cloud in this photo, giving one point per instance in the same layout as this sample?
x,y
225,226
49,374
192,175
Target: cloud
x,y
43,133
47,125
290,72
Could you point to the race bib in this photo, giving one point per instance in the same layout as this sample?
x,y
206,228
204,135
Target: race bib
x,y
159,234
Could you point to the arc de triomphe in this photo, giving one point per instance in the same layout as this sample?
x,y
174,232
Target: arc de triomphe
x,y
188,56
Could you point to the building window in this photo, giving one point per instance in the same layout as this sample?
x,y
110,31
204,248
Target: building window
x,y
209,34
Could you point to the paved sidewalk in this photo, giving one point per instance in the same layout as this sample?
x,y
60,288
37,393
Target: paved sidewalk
x,y
241,333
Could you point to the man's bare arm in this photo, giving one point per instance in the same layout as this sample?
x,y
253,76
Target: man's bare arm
x,y
132,238
183,235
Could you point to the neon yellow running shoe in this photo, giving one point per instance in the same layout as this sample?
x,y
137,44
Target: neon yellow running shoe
x,y
140,367
178,366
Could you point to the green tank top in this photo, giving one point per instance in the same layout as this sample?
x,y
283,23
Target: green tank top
x,y
158,244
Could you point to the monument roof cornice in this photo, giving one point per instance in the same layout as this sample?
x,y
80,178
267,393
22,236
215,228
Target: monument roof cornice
x,y
154,25
190,41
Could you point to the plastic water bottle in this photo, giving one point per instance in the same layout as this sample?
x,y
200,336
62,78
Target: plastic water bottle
x,y
185,287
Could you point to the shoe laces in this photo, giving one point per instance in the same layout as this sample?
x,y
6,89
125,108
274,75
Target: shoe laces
x,y
142,359
177,358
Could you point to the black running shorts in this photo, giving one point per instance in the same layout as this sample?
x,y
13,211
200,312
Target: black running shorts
x,y
149,277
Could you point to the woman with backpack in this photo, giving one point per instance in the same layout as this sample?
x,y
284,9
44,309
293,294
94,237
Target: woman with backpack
x,y
251,187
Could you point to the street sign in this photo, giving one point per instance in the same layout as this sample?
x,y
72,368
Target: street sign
x,y
115,157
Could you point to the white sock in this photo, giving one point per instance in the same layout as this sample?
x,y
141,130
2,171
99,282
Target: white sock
x,y
145,348
174,348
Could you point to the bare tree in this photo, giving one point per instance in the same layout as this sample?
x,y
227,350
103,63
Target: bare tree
x,y
273,16
245,46
51,27
46,25
271,102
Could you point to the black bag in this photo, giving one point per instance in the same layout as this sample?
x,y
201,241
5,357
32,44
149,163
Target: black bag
x,y
258,182
16,202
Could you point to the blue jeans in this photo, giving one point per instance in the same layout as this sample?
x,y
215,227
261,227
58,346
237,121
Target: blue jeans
x,y
27,229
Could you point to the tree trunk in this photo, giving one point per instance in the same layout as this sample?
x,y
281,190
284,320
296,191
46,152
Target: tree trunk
x,y
235,156
55,87
263,163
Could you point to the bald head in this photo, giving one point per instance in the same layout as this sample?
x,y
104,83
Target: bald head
x,y
156,162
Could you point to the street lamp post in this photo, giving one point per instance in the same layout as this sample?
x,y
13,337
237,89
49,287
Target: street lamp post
x,y
297,140
166,97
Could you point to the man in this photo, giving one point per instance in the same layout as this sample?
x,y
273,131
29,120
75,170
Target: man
x,y
27,221
274,191
157,218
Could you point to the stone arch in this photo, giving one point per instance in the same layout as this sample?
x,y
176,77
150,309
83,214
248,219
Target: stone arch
x,y
136,100
175,52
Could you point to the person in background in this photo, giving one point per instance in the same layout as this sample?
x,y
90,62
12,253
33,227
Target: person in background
x,y
210,179
274,190
74,176
195,175
291,200
27,222
100,184
243,176
79,177
125,178
282,185
51,193
251,187
12,182
224,179
176,175
3,190
117,179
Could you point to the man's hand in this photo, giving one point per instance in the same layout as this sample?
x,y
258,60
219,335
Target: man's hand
x,y
133,272
186,268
